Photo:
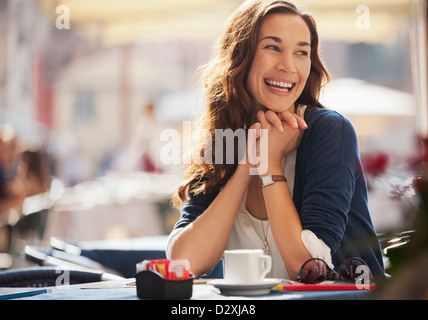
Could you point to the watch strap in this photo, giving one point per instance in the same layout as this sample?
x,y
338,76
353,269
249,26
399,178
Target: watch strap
x,y
275,178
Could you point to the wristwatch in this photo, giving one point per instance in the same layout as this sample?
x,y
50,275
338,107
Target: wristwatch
x,y
269,179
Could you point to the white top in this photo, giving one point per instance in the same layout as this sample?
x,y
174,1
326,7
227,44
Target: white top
x,y
247,232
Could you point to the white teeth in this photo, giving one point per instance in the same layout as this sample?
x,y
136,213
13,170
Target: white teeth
x,y
279,83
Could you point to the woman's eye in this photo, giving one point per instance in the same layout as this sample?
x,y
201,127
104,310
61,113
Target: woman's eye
x,y
272,47
303,53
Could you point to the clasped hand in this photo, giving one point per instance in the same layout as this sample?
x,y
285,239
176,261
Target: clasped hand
x,y
271,138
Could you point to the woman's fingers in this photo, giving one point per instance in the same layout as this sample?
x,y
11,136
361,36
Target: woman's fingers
x,y
261,116
255,130
289,118
301,122
270,117
273,118
293,120
253,135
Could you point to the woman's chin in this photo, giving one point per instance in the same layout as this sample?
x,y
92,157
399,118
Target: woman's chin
x,y
276,109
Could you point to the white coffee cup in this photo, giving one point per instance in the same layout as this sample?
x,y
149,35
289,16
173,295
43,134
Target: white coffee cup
x,y
246,266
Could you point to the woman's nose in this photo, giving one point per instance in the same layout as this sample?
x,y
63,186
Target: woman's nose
x,y
286,63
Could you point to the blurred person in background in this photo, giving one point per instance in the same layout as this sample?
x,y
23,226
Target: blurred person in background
x,y
23,173
12,190
33,171
143,150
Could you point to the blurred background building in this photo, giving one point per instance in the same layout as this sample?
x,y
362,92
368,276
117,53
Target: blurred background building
x,y
94,82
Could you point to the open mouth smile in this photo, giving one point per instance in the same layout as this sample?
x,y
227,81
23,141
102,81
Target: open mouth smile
x,y
282,86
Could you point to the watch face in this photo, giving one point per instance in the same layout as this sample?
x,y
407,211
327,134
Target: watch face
x,y
267,180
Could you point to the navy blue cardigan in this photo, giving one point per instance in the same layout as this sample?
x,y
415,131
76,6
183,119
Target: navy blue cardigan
x,y
330,192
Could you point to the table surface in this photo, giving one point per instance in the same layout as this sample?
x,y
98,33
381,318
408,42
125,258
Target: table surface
x,y
126,290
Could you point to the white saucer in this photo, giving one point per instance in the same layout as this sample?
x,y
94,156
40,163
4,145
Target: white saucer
x,y
237,289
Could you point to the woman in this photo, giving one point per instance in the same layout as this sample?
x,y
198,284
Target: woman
x,y
268,75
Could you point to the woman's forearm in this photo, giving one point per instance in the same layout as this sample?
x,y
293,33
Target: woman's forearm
x,y
285,224
204,240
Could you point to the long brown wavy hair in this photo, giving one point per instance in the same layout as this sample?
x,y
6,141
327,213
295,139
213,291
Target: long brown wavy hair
x,y
228,102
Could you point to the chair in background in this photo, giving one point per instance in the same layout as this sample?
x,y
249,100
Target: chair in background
x,y
55,269
115,256
393,243
47,277
61,259
28,230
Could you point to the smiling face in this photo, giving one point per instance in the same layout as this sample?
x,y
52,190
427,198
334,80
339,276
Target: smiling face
x,y
282,63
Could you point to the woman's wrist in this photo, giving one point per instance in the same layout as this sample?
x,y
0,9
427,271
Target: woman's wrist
x,y
273,167
244,172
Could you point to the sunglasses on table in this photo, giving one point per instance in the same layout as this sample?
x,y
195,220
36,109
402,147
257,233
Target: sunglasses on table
x,y
316,270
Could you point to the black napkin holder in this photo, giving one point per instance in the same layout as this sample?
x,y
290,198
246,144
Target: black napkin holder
x,y
151,285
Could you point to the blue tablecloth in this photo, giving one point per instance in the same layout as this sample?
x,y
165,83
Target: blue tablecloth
x,y
118,290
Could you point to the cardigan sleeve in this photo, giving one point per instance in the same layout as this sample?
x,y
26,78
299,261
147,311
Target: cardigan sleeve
x,y
195,206
328,171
